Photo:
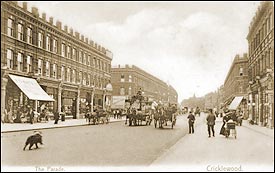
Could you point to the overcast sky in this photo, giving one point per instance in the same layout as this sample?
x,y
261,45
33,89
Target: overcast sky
x,y
190,45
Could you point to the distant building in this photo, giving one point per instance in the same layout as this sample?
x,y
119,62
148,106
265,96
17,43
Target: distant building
x,y
261,65
127,80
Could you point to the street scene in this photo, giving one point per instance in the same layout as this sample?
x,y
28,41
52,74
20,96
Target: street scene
x,y
137,86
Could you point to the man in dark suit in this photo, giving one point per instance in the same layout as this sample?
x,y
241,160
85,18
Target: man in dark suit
x,y
191,121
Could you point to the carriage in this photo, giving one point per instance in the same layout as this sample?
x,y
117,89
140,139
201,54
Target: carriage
x,y
138,110
163,116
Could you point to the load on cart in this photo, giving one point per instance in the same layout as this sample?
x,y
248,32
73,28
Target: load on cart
x,y
233,117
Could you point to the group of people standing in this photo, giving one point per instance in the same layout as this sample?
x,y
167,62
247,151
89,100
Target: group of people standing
x,y
211,119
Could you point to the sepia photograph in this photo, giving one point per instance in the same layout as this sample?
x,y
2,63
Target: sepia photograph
x,y
137,86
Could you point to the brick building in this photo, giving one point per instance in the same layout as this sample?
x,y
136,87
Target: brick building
x,y
127,80
261,65
236,82
72,69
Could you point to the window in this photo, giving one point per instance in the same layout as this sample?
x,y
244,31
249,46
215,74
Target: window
x,y
55,46
122,91
94,62
54,71
74,54
10,27
73,76
241,71
63,48
48,43
63,73
40,66
84,79
130,91
68,51
20,32
80,56
68,75
40,40
130,78
88,79
122,78
89,60
29,35
10,59
29,63
79,77
47,69
20,61
84,58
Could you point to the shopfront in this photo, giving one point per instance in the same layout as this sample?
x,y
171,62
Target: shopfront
x,y
21,94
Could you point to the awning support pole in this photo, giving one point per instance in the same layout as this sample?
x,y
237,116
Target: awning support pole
x,y
35,105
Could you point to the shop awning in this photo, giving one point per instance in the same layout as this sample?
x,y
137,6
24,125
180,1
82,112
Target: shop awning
x,y
30,88
235,103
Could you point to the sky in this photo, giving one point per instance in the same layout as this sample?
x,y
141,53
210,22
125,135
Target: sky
x,y
189,45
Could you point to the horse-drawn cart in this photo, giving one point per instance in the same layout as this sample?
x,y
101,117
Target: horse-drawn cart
x,y
97,117
163,117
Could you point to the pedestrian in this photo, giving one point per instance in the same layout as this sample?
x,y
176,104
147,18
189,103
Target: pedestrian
x,y
191,122
31,115
56,117
211,123
225,119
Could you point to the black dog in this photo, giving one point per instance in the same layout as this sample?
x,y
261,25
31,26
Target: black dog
x,y
34,139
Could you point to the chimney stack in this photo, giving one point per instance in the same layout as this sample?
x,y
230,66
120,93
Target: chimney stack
x,y
35,12
25,6
71,31
59,24
51,20
44,16
82,37
66,28
76,35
